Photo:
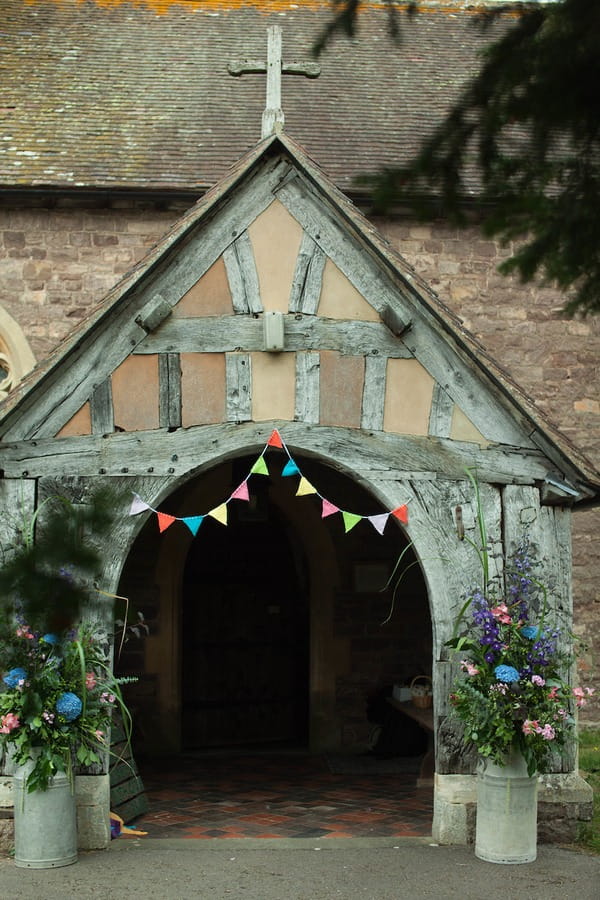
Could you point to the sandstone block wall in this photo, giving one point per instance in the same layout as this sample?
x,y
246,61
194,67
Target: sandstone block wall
x,y
57,261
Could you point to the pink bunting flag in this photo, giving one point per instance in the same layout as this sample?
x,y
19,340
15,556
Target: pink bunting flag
x,y
401,513
328,509
241,492
164,521
275,439
137,506
379,522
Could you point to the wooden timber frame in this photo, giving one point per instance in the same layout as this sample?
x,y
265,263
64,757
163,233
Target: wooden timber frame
x,y
169,377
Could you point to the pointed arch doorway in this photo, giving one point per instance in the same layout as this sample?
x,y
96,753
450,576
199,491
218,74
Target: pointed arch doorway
x,y
273,628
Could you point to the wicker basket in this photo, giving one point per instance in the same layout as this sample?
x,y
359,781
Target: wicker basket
x,y
421,694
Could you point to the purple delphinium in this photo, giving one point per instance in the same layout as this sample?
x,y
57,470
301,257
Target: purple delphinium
x,y
545,648
519,581
490,627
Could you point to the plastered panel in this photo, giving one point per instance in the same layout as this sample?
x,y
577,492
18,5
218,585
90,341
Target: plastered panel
x,y
210,296
408,395
462,429
273,386
202,388
135,393
341,300
342,379
276,238
80,423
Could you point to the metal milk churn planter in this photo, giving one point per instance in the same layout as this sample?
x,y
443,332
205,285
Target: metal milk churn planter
x,y
45,822
506,830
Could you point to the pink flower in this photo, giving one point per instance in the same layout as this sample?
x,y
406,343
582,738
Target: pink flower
x,y
547,732
23,631
9,722
90,681
99,735
530,726
500,612
469,667
579,695
537,679
553,693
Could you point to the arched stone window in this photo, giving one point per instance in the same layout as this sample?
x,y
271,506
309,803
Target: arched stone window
x,y
16,357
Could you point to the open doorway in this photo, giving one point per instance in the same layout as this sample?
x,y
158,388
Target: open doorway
x,y
245,630
276,627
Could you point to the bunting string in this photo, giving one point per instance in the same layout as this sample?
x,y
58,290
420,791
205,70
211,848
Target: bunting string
x,y
290,470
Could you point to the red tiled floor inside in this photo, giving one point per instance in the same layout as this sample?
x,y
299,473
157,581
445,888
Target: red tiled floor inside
x,y
279,796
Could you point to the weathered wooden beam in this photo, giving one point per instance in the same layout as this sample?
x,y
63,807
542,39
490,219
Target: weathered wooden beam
x,y
169,394
308,277
373,401
153,451
221,334
307,387
101,408
238,377
440,416
242,275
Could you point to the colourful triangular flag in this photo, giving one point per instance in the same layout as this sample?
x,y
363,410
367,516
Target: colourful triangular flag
x,y
164,521
193,523
401,513
379,522
137,506
219,513
328,509
259,467
241,492
275,439
350,520
290,468
305,487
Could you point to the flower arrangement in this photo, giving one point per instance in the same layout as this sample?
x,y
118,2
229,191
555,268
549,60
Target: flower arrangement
x,y
513,692
56,699
57,690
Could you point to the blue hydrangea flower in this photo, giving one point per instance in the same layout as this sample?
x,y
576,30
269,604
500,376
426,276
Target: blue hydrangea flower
x,y
530,632
69,706
507,674
12,678
49,639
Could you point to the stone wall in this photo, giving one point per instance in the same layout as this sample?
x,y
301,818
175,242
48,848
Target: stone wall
x,y
58,260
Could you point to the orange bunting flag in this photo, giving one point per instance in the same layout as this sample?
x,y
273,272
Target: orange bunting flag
x,y
379,522
401,513
275,439
219,513
241,492
259,467
164,521
305,487
328,509
350,520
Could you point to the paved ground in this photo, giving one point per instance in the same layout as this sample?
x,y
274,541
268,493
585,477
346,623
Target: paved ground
x,y
298,869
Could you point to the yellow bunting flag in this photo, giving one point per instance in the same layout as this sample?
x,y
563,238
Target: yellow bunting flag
x,y
259,467
164,520
350,520
305,487
219,513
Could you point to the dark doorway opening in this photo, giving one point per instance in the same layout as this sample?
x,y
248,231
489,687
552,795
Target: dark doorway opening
x,y
245,630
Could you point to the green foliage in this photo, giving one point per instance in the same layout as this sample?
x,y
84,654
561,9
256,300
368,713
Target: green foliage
x,y
528,126
50,574
589,766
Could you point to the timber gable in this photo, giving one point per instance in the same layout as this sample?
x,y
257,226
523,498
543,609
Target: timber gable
x,y
180,343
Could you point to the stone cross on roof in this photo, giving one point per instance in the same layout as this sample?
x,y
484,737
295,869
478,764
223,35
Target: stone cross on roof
x,y
273,118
